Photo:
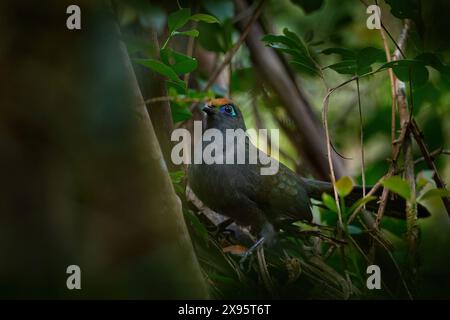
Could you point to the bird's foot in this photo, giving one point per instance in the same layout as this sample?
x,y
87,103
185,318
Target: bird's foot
x,y
250,251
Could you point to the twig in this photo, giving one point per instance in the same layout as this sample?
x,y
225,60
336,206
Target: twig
x,y
230,53
393,88
340,228
190,49
173,98
405,119
358,248
275,72
433,154
386,30
363,174
370,193
429,160
267,280
375,235
325,103
385,193
399,99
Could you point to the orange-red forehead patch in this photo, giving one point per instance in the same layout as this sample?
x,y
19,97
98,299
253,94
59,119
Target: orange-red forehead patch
x,y
219,102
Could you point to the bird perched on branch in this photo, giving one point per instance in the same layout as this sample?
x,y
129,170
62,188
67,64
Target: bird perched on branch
x,y
263,202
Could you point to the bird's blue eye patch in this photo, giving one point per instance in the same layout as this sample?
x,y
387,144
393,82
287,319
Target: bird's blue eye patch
x,y
228,109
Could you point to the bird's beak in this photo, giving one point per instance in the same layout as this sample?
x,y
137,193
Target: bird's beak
x,y
208,110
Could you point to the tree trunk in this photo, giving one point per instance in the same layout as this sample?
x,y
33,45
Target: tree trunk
x,y
275,74
84,182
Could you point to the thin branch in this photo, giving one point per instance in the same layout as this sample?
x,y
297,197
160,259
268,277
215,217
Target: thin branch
x,y
190,46
275,72
363,174
340,228
398,97
375,235
230,53
429,160
174,99
386,30
267,280
393,88
433,155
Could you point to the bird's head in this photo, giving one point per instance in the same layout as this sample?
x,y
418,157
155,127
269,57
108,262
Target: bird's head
x,y
223,114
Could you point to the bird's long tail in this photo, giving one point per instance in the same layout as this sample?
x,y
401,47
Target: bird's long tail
x,y
395,207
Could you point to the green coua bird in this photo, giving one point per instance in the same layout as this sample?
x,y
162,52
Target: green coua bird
x,y
263,202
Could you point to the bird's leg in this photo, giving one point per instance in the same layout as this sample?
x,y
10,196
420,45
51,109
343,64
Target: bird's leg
x,y
250,251
267,235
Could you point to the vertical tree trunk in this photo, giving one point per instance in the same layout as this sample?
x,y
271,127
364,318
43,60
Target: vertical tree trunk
x,y
83,182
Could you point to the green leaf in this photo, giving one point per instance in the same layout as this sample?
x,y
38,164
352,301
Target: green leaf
x,y
398,63
215,37
177,176
293,45
329,202
417,72
398,186
272,39
405,68
190,33
296,39
159,67
180,63
180,112
361,202
344,67
194,221
185,66
425,177
346,54
178,86
306,67
368,56
204,17
344,186
435,193
355,62
178,19
177,179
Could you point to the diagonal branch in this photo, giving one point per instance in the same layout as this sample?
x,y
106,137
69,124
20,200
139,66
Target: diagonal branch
x,y
275,74
230,53
418,136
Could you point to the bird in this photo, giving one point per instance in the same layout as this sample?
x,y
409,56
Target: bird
x,y
262,202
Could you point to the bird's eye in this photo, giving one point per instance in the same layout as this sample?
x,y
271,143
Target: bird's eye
x,y
228,108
